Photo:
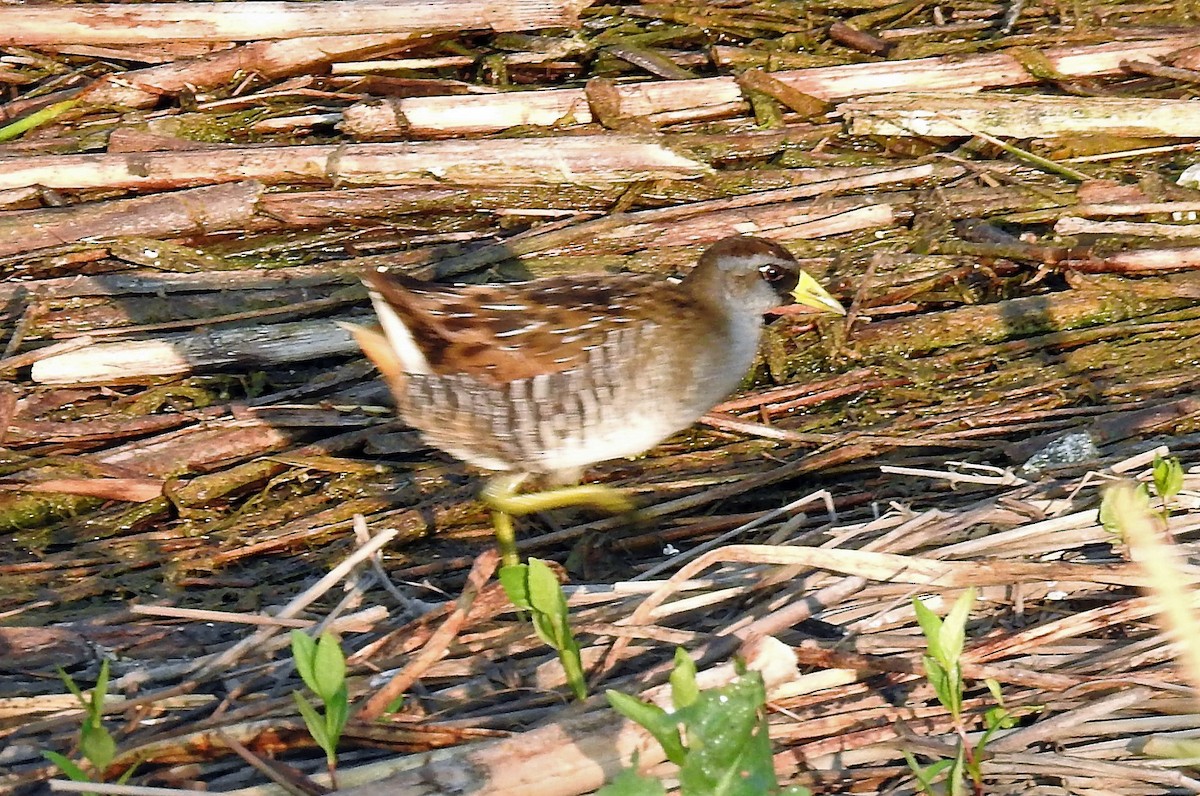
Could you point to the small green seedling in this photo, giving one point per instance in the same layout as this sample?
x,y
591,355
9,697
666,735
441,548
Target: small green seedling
x,y
944,639
1167,477
533,587
95,743
1110,518
322,666
718,737
997,718
943,667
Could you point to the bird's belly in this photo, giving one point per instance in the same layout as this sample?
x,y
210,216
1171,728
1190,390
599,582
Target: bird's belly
x,y
549,425
634,432
631,396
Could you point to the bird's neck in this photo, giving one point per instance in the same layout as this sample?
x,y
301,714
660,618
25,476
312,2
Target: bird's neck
x,y
707,290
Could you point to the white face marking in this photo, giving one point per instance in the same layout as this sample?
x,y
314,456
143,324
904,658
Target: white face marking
x,y
504,307
747,263
523,330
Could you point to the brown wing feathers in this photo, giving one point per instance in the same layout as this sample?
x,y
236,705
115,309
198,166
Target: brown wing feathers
x,y
511,332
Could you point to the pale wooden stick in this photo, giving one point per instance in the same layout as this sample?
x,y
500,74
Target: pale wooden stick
x,y
48,352
1185,258
133,490
1073,225
148,281
195,211
250,21
948,115
494,112
187,352
143,88
362,622
111,789
581,160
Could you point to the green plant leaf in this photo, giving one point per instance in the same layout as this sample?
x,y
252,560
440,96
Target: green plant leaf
x,y
329,667
631,783
993,687
1110,507
926,775
99,692
304,654
67,766
72,687
655,720
954,628
535,588
684,690
1107,514
97,746
1168,477
548,604
514,580
728,746
997,719
938,677
337,713
314,722
121,780
931,624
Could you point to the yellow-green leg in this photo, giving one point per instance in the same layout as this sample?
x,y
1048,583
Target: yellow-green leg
x,y
501,496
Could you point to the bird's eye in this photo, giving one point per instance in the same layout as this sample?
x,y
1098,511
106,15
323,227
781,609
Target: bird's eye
x,y
772,273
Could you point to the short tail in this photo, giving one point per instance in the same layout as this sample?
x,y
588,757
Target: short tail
x,y
375,345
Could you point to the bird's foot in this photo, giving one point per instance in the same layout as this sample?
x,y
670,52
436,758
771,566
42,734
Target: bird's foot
x,y
501,496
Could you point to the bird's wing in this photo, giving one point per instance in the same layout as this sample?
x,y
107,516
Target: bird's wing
x,y
504,333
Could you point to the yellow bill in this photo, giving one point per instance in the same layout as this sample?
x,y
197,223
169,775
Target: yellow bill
x,y
811,294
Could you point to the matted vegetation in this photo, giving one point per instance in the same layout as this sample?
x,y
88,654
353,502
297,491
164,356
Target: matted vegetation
x,y
196,458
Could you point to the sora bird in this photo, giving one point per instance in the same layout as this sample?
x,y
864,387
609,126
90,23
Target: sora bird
x,y
550,376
